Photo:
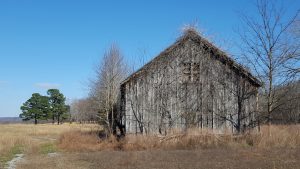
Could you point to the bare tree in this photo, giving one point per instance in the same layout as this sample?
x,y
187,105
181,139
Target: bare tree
x,y
269,50
245,116
295,33
105,89
83,111
289,109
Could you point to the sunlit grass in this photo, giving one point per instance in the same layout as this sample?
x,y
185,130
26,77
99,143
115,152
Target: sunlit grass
x,y
29,138
276,136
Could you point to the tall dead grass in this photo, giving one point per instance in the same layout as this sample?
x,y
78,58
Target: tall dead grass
x,y
27,138
269,137
279,136
77,140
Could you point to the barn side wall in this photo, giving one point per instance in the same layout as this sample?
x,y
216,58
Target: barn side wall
x,y
188,87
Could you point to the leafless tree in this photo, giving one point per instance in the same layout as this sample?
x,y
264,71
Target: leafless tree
x,y
82,111
295,33
105,89
269,50
245,116
289,109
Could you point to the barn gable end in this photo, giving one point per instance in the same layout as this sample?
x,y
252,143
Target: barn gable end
x,y
190,84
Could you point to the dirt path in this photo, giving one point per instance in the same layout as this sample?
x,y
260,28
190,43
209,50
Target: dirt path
x,y
179,159
13,163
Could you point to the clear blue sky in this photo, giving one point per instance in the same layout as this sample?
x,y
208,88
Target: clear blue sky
x,y
56,43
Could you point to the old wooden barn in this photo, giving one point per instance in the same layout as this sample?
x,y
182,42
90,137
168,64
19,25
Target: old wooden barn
x,y
192,83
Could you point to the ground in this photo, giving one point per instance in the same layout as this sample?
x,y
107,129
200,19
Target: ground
x,y
30,139
175,159
40,149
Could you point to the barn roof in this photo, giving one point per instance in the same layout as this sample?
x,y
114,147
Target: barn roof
x,y
220,55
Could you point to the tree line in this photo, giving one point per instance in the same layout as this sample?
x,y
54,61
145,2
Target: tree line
x,y
50,107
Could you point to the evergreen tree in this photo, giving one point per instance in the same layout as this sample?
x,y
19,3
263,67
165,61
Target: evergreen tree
x,y
58,108
37,108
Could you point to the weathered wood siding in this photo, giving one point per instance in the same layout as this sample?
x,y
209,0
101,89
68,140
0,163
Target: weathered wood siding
x,y
187,87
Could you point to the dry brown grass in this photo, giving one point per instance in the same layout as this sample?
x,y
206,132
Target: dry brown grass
x,y
79,141
28,138
80,147
37,141
212,158
83,141
281,136
269,137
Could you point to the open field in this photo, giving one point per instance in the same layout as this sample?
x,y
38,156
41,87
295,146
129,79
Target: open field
x,y
171,159
33,139
77,146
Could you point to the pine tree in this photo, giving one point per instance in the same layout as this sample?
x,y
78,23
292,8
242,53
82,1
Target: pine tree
x,y
37,108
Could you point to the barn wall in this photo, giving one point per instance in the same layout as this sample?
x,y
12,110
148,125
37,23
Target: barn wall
x,y
187,87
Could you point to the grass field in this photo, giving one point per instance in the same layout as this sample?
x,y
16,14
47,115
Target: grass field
x,y
78,146
33,139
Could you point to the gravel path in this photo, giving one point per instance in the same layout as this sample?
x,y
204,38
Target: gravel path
x,y
12,164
